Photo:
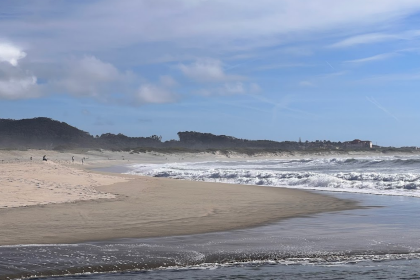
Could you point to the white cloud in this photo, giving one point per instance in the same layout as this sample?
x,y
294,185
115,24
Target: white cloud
x,y
18,88
88,76
95,69
10,54
149,93
16,83
207,70
91,77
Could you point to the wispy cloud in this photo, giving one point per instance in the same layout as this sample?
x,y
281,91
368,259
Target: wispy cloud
x,y
371,58
285,105
415,76
204,23
207,70
372,38
133,32
317,80
231,88
330,65
306,84
281,65
379,106
364,39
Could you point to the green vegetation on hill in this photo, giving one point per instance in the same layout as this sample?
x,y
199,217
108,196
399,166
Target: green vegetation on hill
x,y
45,133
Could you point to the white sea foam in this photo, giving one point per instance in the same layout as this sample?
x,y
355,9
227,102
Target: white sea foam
x,y
381,175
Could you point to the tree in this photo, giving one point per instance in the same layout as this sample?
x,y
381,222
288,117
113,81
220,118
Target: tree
x,y
157,138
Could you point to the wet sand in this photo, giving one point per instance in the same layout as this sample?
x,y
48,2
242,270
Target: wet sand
x,y
122,206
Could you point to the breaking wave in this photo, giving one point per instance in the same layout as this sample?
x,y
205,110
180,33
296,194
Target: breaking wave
x,y
382,175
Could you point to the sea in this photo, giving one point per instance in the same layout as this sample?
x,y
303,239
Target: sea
x,y
379,240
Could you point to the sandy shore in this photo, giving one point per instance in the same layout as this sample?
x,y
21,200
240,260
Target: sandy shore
x,y
66,204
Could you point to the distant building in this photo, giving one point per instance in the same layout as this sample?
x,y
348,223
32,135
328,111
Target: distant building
x,y
356,143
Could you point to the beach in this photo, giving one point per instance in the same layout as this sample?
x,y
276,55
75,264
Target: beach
x,y
201,215
60,201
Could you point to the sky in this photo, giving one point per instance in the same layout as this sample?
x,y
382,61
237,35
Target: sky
x,y
268,69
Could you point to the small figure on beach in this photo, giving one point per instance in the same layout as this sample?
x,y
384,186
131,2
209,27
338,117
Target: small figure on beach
x,y
83,159
44,158
31,158
72,159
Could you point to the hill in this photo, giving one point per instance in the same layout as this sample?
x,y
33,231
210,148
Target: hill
x,y
46,133
41,133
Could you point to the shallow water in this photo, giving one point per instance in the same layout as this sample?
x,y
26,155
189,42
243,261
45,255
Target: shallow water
x,y
380,241
401,269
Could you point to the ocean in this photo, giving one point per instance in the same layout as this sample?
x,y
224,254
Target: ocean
x,y
381,240
372,175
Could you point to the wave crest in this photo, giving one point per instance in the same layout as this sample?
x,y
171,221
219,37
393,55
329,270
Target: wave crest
x,y
387,176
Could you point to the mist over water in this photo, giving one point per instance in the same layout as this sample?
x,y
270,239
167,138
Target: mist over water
x,y
372,175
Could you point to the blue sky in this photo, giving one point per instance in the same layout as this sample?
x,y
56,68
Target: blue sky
x,y
268,69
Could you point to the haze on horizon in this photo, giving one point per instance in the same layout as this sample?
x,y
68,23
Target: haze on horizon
x,y
269,69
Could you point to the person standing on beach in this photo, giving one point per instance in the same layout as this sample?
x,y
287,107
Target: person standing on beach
x,y
72,159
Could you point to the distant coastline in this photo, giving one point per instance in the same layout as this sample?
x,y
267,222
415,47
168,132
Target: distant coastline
x,y
49,134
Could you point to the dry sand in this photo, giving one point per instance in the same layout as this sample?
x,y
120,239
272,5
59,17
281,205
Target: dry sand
x,y
34,183
67,204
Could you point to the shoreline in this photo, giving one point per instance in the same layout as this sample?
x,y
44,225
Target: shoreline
x,y
152,207
157,207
